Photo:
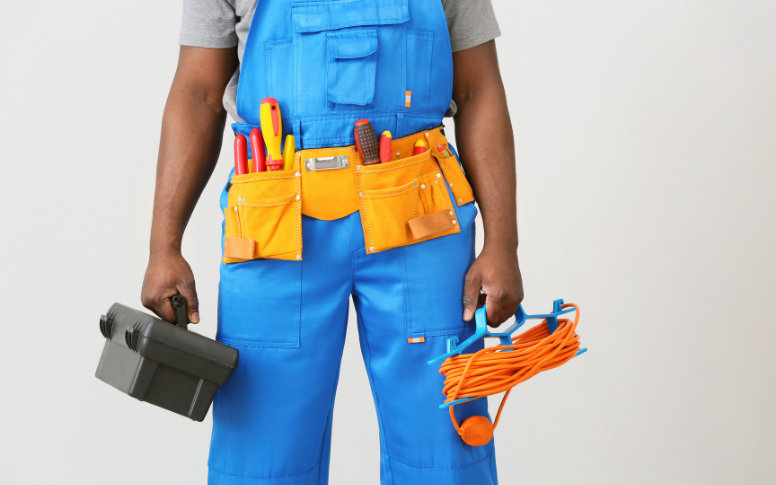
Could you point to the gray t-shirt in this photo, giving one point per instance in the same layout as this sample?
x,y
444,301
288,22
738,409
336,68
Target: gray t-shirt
x,y
221,24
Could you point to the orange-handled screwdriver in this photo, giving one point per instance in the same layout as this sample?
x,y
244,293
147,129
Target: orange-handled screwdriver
x,y
272,130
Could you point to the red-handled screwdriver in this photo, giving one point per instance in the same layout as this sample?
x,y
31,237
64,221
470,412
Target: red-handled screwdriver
x,y
366,142
385,147
257,150
420,147
240,154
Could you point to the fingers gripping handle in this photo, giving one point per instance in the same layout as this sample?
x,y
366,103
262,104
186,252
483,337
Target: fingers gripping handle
x,y
179,305
482,330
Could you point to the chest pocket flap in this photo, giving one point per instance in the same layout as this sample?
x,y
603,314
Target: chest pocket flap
x,y
351,66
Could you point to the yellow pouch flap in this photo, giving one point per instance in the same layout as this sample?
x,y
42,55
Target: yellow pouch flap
x,y
236,248
432,223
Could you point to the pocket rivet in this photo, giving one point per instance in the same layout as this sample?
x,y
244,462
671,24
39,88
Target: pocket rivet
x,y
460,201
455,222
439,175
297,174
361,194
235,208
427,134
423,186
358,168
297,197
451,212
398,154
298,257
451,184
371,248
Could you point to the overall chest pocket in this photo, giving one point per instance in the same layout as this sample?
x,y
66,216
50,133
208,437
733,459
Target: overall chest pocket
x,y
350,77
348,50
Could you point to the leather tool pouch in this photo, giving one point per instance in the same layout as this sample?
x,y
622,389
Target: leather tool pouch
x,y
404,201
264,216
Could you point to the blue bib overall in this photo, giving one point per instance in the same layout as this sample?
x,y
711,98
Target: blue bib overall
x,y
329,64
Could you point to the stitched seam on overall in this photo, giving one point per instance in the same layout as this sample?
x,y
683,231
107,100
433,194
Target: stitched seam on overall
x,y
266,479
446,469
368,366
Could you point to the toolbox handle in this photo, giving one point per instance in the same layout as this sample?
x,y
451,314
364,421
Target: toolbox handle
x,y
179,305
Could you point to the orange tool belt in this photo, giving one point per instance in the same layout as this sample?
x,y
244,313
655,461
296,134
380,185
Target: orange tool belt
x,y
401,202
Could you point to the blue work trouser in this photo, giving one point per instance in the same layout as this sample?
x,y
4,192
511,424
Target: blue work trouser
x,y
272,420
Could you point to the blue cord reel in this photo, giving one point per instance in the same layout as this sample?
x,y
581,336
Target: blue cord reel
x,y
482,331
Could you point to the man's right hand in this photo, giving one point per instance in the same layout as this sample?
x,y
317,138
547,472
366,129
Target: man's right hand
x,y
167,276
192,132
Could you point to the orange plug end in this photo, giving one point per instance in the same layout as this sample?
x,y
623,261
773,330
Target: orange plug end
x,y
477,431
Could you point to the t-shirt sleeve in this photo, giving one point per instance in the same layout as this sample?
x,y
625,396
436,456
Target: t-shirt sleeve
x,y
470,22
208,23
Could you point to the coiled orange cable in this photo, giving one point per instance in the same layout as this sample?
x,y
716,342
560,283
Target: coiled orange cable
x,y
498,369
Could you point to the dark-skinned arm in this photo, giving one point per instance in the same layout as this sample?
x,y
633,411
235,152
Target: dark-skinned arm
x,y
483,132
192,131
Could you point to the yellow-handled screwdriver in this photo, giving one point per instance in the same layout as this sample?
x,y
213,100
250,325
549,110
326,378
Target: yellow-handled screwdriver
x,y
289,150
272,130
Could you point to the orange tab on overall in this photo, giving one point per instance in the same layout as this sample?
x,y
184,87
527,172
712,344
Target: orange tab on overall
x,y
416,340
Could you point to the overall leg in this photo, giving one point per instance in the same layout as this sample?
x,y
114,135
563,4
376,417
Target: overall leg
x,y
411,292
272,419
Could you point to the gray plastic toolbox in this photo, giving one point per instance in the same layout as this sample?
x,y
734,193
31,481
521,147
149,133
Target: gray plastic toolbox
x,y
161,363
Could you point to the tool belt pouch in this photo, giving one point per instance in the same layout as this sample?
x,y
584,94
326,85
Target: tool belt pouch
x,y
264,216
405,201
161,363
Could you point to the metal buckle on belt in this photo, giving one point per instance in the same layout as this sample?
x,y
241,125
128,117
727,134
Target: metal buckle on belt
x,y
326,163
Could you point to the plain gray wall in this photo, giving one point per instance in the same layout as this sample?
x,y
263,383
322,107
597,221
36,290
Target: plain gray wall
x,y
646,148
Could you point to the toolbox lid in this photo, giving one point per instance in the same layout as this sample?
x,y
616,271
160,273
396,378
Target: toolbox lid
x,y
171,345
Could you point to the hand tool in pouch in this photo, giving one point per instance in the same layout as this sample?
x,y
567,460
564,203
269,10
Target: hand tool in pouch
x,y
420,147
366,142
446,153
162,363
240,154
272,129
385,147
257,151
289,150
497,369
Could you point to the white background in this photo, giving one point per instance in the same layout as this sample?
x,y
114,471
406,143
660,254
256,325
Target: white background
x,y
646,142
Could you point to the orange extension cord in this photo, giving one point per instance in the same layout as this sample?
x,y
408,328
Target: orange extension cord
x,y
493,370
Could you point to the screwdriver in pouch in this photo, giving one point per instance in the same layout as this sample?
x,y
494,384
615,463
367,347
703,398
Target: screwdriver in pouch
x,y
420,147
385,147
257,150
271,128
366,142
240,154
